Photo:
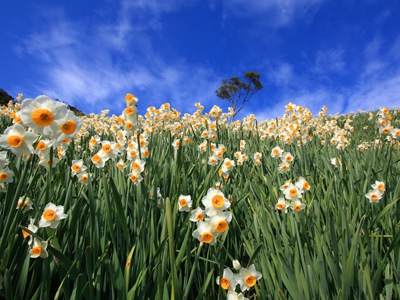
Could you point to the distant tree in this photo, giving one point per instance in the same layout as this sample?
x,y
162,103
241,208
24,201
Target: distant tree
x,y
5,97
234,90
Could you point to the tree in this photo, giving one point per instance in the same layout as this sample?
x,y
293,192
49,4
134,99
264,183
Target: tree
x,y
234,90
4,97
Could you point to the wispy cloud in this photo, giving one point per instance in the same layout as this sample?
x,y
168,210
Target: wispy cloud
x,y
274,13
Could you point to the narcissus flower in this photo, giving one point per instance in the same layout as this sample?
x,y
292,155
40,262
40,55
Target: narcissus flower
x,y
233,296
184,203
214,202
205,233
379,185
18,140
77,167
228,280
6,175
297,205
32,228
39,249
52,215
24,203
83,177
197,215
42,114
282,205
374,196
247,278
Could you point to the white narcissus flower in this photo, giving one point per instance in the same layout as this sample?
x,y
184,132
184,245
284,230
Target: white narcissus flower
x,y
6,175
184,203
205,233
214,202
39,249
24,203
18,140
77,167
380,186
197,215
52,215
228,280
297,205
42,114
247,278
32,228
374,196
282,205
233,296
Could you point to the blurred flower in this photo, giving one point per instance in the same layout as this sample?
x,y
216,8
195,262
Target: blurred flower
x,y
6,175
233,296
282,205
380,186
83,177
24,203
374,196
297,205
32,228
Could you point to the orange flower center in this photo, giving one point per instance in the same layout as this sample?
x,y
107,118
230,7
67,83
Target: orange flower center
x,y
293,192
129,110
281,206
221,226
381,187
41,146
68,127
207,237
15,141
3,176
200,217
49,215
250,280
96,158
217,201
106,148
36,250
42,117
133,177
76,168
225,283
182,202
25,234
297,207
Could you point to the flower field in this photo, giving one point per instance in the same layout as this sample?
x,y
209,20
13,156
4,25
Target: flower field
x,y
179,206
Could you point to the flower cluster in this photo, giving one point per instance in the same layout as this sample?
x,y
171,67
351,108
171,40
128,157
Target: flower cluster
x,y
286,159
51,217
377,191
246,278
293,193
217,221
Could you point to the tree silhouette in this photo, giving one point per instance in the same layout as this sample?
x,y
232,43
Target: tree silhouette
x,y
4,97
234,90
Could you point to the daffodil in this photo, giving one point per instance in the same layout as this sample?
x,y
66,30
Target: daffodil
x,y
42,114
52,215
302,184
83,177
135,177
184,203
197,215
374,196
247,278
24,203
228,280
77,167
39,249
297,205
221,221
282,205
214,202
18,140
32,228
234,296
379,185
205,233
6,175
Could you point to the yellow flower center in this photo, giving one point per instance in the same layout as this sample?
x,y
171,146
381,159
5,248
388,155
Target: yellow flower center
x,y
200,217
293,192
281,206
76,167
276,152
129,98
36,250
225,283
128,125
133,177
15,141
217,201
374,197
84,178
381,187
41,146
96,158
42,117
221,226
207,237
182,202
106,148
250,280
129,110
49,215
68,127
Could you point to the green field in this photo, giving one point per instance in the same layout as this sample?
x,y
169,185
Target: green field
x,y
126,234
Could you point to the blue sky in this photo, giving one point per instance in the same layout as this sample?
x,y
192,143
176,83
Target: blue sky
x,y
342,54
